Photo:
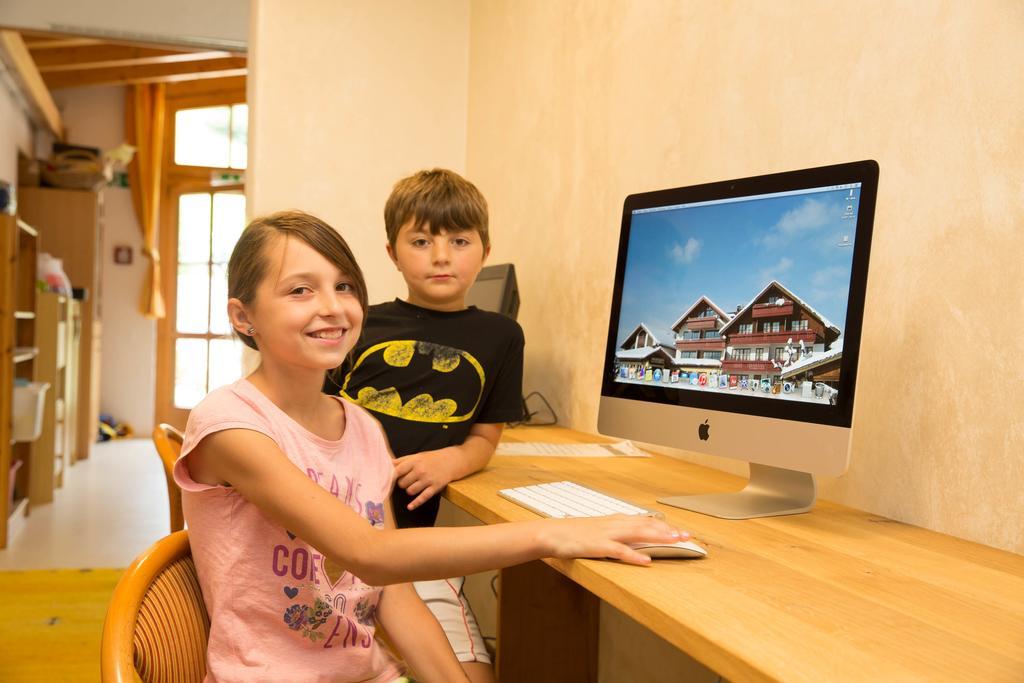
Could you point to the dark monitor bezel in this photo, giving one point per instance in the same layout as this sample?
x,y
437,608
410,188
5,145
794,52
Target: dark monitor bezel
x,y
840,414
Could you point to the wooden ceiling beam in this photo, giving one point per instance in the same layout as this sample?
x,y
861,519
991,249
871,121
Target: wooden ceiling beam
x,y
101,52
41,40
194,76
186,91
113,56
30,84
150,73
37,44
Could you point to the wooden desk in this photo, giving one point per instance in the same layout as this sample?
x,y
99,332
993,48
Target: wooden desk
x,y
834,595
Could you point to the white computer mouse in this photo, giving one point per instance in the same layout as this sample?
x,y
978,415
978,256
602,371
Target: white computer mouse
x,y
678,550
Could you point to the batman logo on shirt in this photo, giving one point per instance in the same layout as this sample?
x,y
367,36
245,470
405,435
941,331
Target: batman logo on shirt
x,y
419,366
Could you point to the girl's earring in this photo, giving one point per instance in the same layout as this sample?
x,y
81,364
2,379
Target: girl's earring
x,y
251,331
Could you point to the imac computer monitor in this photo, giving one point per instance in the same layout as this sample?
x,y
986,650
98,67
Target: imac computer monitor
x,y
735,328
495,290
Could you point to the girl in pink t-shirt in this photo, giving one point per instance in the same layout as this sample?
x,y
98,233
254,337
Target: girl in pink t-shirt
x,y
285,491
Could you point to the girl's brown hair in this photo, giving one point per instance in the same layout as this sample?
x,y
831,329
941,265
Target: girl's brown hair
x,y
248,263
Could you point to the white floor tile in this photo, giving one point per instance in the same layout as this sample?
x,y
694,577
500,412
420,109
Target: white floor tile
x,y
112,507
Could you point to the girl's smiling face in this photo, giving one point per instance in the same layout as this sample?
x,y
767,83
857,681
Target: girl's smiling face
x,y
306,312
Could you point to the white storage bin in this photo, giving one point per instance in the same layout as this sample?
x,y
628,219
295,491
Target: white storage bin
x,y
28,410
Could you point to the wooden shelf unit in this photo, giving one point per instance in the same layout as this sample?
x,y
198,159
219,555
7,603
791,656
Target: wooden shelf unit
x,y
18,352
55,364
72,225
23,353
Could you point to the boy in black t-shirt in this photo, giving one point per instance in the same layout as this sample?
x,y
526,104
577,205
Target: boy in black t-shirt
x,y
441,378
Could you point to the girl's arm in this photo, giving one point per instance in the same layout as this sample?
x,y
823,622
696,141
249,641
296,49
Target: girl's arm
x,y
415,633
257,469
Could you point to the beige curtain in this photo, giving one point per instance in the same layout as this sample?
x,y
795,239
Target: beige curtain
x,y
144,125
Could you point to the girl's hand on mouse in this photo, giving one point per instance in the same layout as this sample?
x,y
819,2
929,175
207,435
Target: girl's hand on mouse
x,y
609,537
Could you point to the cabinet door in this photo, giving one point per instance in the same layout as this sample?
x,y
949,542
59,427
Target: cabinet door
x,y
8,251
69,225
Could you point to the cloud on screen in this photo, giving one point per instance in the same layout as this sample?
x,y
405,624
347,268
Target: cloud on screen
x,y
684,254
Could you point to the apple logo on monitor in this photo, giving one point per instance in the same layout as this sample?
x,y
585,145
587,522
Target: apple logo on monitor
x,y
703,431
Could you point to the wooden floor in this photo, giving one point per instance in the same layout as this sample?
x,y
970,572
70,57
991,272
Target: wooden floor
x,y
58,572
51,622
112,507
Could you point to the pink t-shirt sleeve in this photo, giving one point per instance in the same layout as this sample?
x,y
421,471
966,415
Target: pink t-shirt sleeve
x,y
215,413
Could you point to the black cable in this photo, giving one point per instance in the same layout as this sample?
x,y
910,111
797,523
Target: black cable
x,y
528,415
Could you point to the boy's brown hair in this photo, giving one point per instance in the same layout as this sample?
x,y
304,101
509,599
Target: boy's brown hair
x,y
440,198
248,263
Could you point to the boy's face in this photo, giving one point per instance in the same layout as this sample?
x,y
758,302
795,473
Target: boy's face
x,y
439,269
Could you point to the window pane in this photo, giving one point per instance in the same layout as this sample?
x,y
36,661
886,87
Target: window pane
x,y
225,362
219,301
193,298
194,228
239,135
201,137
228,222
189,372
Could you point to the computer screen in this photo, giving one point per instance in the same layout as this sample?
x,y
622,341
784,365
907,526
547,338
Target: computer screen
x,y
743,298
496,290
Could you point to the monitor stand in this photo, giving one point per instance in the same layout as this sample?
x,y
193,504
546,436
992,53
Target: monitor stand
x,y
771,491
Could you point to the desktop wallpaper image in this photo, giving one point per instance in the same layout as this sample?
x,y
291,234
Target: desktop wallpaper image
x,y
793,250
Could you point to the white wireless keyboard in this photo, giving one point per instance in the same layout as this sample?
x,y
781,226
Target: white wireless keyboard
x,y
563,499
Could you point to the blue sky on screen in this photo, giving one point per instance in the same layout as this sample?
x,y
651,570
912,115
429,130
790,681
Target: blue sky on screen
x,y
729,252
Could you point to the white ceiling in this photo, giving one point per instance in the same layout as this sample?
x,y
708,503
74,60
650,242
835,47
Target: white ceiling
x,y
221,24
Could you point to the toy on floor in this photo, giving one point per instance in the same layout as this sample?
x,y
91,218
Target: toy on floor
x,y
110,428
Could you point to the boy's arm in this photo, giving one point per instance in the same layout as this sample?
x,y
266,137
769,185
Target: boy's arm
x,y
425,474
415,633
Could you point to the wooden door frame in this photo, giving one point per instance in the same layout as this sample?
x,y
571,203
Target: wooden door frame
x,y
178,180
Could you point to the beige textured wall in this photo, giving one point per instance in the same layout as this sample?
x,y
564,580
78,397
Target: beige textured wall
x,y
346,98
573,105
15,135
